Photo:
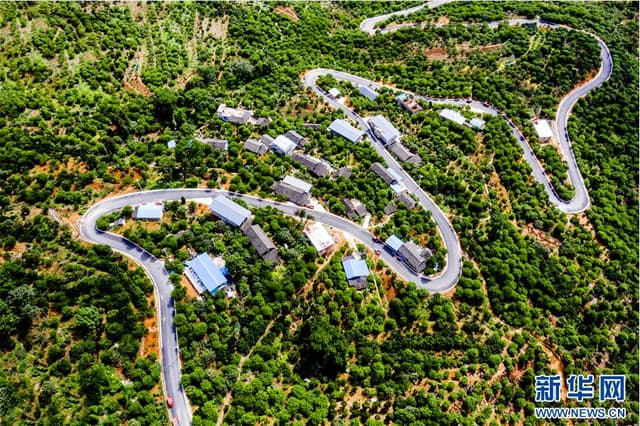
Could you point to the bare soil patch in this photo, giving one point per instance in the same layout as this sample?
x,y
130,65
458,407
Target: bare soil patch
x,y
287,11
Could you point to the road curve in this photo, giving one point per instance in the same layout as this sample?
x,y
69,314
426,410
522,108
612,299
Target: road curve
x,y
580,200
170,360
447,279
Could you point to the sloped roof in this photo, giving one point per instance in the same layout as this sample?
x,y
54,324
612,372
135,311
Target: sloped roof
x,y
355,268
452,115
344,129
394,243
255,146
208,274
149,211
385,128
260,240
283,144
298,183
232,213
368,92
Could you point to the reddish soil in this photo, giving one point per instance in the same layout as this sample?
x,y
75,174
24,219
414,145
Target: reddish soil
x,y
287,11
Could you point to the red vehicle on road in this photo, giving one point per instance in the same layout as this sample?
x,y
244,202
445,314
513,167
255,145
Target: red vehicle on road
x,y
169,402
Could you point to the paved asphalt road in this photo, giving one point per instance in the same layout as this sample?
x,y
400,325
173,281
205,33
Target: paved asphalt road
x,y
160,277
171,367
580,200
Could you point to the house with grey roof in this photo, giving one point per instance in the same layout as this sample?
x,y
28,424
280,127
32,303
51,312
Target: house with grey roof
x,y
406,199
344,172
294,189
262,243
390,208
214,143
230,212
343,128
315,165
403,153
383,173
266,139
384,130
296,137
255,146
354,208
414,256
368,92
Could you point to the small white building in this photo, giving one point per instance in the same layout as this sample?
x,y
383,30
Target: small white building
x,y
319,237
543,129
334,92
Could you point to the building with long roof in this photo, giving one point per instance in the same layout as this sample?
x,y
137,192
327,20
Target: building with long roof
x,y
393,243
343,128
204,274
383,173
230,212
384,130
452,115
368,92
414,256
262,243
149,211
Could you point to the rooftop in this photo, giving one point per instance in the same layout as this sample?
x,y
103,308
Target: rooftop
x,y
298,183
292,193
543,129
355,268
229,211
478,123
283,144
319,237
206,273
383,173
452,115
368,92
394,243
384,129
262,243
344,129
149,211
255,146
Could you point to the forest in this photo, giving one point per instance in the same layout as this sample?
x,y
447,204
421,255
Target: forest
x,y
92,93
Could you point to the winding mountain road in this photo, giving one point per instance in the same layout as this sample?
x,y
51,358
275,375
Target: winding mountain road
x,y
446,279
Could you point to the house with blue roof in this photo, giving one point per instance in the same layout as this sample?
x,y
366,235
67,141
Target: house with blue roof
x,y
356,271
204,274
230,212
393,244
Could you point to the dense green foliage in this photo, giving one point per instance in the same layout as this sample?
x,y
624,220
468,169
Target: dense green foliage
x,y
91,94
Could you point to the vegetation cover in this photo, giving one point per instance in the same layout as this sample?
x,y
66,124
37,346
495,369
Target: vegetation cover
x,y
92,93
